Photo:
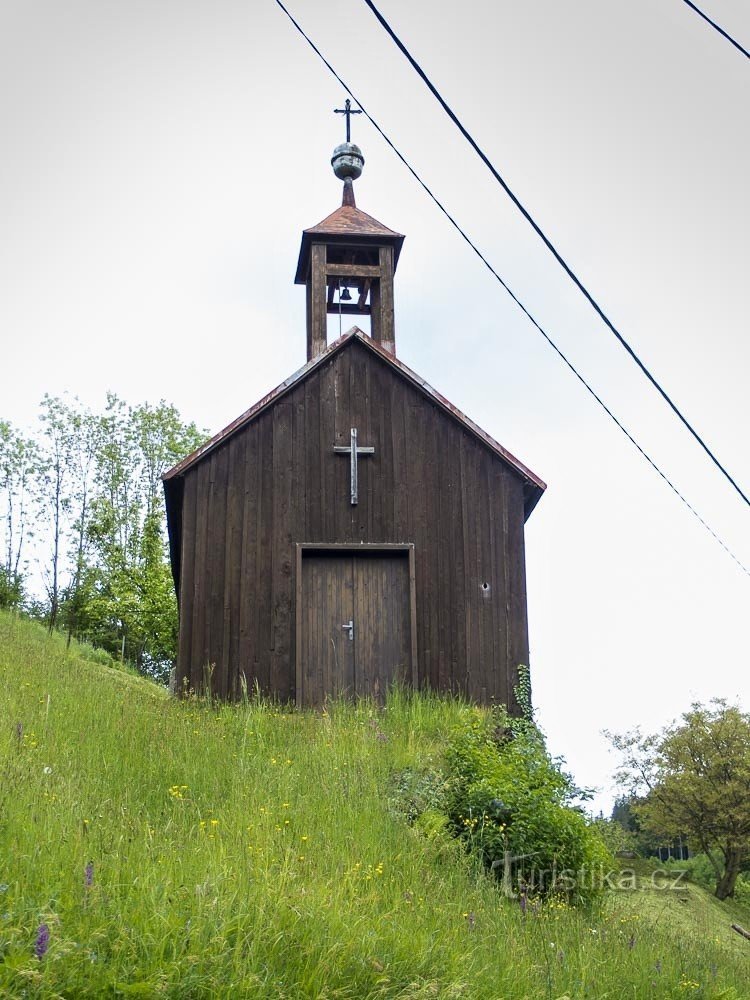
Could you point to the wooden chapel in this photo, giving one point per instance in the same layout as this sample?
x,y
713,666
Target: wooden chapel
x,y
352,529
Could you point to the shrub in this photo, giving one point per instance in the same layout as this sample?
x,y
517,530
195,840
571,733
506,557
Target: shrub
x,y
510,802
95,655
416,792
700,871
11,589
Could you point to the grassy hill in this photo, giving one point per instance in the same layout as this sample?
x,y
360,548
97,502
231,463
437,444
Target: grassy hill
x,y
175,849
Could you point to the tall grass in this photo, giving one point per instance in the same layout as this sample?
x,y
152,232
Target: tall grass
x,y
177,849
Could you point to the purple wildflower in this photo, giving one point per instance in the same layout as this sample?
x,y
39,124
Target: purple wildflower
x,y
19,731
631,942
88,874
42,941
523,901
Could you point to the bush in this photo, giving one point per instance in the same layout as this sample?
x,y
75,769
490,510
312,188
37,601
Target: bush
x,y
95,655
11,589
700,871
509,801
417,792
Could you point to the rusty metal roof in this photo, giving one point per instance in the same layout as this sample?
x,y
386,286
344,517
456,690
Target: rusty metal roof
x,y
533,485
345,224
350,220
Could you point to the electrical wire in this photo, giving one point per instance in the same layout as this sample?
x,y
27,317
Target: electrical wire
x,y
553,250
569,364
719,29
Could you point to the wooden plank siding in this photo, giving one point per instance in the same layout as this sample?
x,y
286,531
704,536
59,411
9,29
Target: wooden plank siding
x,y
276,483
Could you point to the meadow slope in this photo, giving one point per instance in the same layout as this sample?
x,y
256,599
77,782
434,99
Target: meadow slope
x,y
156,848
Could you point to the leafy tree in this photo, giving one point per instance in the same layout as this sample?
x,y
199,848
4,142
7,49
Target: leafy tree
x,y
85,440
69,444
696,778
53,474
94,485
625,814
131,608
19,462
615,836
622,813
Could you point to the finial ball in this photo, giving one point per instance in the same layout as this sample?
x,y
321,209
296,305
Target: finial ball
x,y
347,161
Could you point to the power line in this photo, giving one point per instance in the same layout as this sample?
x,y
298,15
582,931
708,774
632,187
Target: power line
x,y
513,296
553,250
719,29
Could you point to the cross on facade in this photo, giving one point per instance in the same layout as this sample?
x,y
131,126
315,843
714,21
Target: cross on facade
x,y
347,110
353,451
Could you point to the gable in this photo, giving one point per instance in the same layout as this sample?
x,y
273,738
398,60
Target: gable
x,y
397,384
535,486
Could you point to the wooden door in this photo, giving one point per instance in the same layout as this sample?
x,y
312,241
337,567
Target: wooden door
x,y
355,624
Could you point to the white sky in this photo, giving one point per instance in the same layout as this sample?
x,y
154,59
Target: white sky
x,y
160,160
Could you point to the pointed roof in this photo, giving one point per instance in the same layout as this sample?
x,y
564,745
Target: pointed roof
x,y
346,223
350,220
533,485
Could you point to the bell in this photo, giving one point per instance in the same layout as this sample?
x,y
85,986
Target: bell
x,y
345,295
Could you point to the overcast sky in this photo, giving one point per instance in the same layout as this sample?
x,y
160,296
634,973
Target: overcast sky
x,y
161,158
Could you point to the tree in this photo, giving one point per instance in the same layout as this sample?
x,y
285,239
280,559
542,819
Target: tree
x,y
130,604
53,475
625,814
84,449
69,443
696,779
93,484
19,462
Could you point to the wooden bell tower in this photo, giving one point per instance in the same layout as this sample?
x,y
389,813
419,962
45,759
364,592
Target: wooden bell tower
x,y
347,263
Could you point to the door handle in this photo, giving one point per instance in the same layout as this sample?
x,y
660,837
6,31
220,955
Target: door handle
x,y
350,627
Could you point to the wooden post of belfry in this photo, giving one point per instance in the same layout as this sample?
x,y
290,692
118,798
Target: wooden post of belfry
x,y
317,324
381,317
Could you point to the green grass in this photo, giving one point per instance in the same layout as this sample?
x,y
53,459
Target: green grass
x,y
251,852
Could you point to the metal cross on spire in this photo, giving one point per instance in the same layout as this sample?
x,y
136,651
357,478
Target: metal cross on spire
x,y
348,111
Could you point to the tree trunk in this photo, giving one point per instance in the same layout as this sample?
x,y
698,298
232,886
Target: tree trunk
x,y
725,885
54,603
73,620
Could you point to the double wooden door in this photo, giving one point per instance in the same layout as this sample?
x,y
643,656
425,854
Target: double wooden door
x,y
354,624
